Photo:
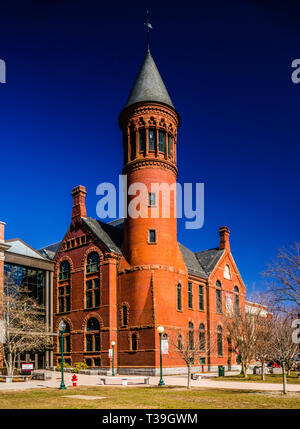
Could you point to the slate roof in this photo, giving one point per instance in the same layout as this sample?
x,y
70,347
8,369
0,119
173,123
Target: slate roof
x,y
149,85
50,251
111,234
209,258
191,262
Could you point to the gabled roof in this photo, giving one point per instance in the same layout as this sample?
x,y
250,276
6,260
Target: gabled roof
x,y
149,85
21,248
208,259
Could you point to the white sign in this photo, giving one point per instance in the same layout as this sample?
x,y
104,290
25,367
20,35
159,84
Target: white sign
x,y
2,332
27,366
164,347
110,353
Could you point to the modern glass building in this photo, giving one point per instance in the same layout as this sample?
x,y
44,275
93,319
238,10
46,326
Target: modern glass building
x,y
26,269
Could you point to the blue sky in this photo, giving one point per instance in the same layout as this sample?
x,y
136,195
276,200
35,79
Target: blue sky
x,y
227,67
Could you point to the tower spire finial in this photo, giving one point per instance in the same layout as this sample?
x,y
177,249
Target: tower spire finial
x,y
148,28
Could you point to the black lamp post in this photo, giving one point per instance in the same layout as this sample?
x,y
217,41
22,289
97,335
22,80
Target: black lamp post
x,y
160,330
62,328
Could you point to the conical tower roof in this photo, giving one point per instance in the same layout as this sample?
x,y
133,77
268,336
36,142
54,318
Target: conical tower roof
x,y
149,85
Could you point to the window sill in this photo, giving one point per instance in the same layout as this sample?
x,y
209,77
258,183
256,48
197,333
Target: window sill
x,y
151,242
91,308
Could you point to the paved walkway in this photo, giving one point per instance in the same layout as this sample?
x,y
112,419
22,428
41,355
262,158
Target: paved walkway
x,y
180,380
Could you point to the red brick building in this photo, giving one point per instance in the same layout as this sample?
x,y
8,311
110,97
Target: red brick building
x,y
119,281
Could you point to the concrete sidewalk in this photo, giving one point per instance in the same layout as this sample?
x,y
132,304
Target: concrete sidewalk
x,y
179,380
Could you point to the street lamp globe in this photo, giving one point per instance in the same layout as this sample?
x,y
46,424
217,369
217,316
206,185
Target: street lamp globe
x,y
62,326
160,329
113,343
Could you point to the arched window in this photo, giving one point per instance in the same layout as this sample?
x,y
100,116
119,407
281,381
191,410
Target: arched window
x,y
134,342
236,300
179,304
227,272
64,290
92,263
191,335
169,145
132,143
220,341
142,139
162,141
152,139
124,315
202,337
92,336
67,339
218,297
64,271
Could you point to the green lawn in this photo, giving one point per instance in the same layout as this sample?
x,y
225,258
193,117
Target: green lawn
x,y
269,378
147,397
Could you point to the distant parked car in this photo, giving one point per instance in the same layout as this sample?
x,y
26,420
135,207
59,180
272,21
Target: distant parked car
x,y
274,364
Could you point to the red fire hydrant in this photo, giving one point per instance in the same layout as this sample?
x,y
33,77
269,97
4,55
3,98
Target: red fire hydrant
x,y
74,380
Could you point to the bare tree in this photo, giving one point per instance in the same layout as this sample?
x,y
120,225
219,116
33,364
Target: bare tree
x,y
283,276
283,346
24,325
263,344
243,329
265,303
190,348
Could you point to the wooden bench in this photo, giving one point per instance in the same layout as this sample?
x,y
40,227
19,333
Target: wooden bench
x,y
8,378
124,380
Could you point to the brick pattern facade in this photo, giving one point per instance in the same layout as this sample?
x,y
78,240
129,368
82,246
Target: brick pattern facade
x,y
138,288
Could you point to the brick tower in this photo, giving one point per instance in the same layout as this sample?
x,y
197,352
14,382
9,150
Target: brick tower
x,y
152,264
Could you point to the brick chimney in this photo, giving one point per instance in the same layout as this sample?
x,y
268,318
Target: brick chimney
x,y
78,209
224,237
